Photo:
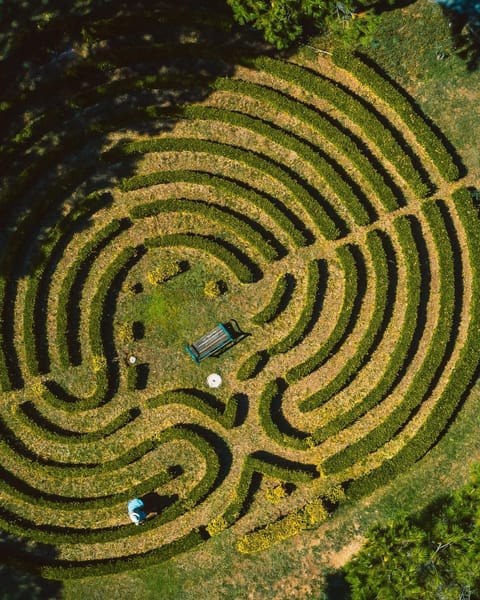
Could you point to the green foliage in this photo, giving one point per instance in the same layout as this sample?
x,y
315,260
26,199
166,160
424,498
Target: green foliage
x,y
344,101
95,568
167,269
379,260
321,125
212,289
435,148
295,473
70,282
432,555
310,515
331,177
347,262
328,228
267,414
275,305
412,260
312,295
230,218
240,267
226,417
226,187
249,367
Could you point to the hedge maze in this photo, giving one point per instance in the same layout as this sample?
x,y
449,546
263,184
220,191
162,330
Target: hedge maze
x,y
335,220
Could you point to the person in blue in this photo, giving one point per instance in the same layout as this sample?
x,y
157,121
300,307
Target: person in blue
x,y
136,511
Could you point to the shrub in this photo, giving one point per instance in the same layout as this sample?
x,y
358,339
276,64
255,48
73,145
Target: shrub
x,y
256,236
312,118
212,289
313,295
310,515
225,415
249,368
240,265
350,297
428,372
326,224
67,335
283,287
285,220
405,108
330,175
167,269
351,366
412,258
345,102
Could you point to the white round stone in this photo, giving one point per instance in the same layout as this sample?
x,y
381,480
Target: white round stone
x,y
132,360
214,380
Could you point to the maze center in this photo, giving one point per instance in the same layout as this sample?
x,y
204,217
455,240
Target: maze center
x,y
305,204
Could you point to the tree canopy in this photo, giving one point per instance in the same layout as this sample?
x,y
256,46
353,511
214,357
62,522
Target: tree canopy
x,y
284,21
432,556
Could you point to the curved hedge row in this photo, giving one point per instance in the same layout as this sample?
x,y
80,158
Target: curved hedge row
x,y
384,284
253,234
344,101
326,223
349,260
435,148
239,264
426,377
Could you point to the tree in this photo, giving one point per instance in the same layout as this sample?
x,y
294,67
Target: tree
x,y
284,21
432,556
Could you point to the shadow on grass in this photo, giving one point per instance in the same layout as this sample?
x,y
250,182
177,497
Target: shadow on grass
x,y
19,558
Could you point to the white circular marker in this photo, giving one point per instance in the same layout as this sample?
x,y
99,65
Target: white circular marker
x,y
214,380
132,360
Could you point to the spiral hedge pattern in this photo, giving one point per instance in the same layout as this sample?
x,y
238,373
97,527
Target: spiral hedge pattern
x,y
332,212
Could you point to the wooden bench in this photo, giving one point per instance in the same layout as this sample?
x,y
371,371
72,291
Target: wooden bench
x,y
211,342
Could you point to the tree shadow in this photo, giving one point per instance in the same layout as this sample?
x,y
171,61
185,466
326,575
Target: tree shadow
x,y
337,587
19,569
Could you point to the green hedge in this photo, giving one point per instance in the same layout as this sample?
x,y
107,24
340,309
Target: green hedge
x,y
12,486
226,418
328,228
310,515
345,102
267,414
96,568
260,239
53,534
285,220
322,126
74,277
34,316
397,361
250,366
405,108
377,250
295,473
244,269
330,175
314,291
429,370
55,393
31,417
466,368
350,296
279,296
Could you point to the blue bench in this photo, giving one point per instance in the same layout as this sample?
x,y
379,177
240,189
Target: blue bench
x,y
210,343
